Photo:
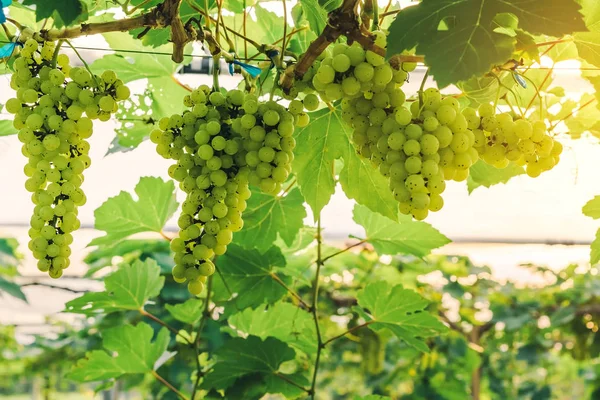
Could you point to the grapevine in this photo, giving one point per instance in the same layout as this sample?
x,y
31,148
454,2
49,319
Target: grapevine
x,y
54,108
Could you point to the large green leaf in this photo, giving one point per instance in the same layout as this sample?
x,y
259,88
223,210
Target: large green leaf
x,y
122,216
321,142
325,139
268,217
592,208
188,312
400,310
143,62
283,321
252,356
483,174
588,46
129,288
128,251
67,11
250,274
458,37
403,237
128,349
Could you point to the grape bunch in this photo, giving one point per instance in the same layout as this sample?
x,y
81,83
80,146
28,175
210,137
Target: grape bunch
x,y
417,148
500,139
211,168
266,130
54,108
348,71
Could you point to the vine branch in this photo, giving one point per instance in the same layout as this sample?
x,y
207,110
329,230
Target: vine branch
x,y
313,309
167,384
166,14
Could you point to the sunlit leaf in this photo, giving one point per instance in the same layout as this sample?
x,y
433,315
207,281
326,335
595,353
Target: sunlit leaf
x,y
127,350
400,310
403,237
122,216
129,288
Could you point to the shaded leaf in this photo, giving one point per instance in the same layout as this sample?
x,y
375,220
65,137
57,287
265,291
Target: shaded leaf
x,y
12,289
283,321
249,273
68,10
399,310
406,236
242,357
469,46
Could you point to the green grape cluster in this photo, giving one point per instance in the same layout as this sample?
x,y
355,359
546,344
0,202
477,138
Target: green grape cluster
x,y
222,144
500,139
348,71
417,148
266,130
54,108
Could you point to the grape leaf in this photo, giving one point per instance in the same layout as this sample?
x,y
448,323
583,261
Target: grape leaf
x,y
363,183
12,289
250,274
400,310
137,118
128,251
68,11
588,46
129,288
9,257
325,139
188,312
595,249
372,397
405,237
314,14
587,117
468,45
306,235
283,321
133,66
7,128
269,216
241,357
483,174
592,208
317,145
122,216
128,349
591,13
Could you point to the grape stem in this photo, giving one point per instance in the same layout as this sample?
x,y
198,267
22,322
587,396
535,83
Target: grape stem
x,y
196,344
363,241
162,323
167,384
355,328
422,87
85,64
313,309
290,290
